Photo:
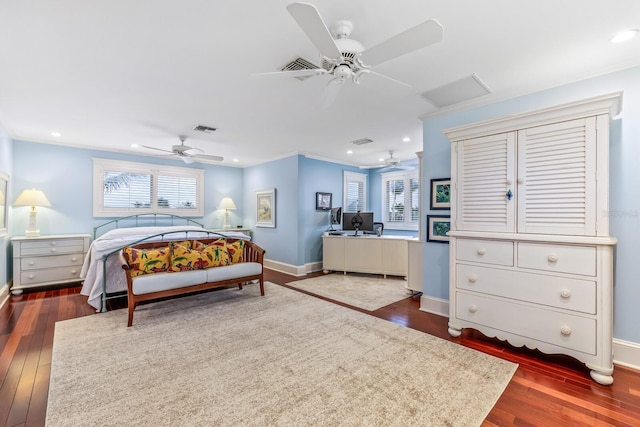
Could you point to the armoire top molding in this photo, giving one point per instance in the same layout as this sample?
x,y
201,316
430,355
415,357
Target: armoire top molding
x,y
604,104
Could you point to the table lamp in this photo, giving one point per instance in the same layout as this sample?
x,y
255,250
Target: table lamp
x,y
226,204
32,198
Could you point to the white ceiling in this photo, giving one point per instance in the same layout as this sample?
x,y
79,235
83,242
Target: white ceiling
x,y
110,73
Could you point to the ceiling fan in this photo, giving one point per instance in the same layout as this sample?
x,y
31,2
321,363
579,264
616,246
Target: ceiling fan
x,y
186,153
344,58
389,164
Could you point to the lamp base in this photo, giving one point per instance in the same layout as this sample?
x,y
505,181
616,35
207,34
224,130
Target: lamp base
x,y
32,233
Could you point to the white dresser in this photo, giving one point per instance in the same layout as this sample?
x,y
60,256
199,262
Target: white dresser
x,y
47,260
531,259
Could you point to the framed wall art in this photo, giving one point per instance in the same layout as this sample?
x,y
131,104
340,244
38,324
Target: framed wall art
x,y
323,201
440,194
266,208
437,228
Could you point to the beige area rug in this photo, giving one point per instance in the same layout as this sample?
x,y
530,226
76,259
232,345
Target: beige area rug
x,y
359,290
234,358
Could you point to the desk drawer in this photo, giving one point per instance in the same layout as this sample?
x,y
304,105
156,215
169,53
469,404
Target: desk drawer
x,y
35,263
51,247
558,258
496,252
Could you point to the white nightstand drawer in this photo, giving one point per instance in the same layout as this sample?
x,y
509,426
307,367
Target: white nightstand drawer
x,y
50,275
558,258
485,251
561,329
51,247
34,263
560,292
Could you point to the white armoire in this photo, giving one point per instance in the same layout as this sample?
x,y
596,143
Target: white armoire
x,y
531,259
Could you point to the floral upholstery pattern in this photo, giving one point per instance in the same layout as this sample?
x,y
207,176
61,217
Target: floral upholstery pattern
x,y
184,258
143,261
215,253
236,250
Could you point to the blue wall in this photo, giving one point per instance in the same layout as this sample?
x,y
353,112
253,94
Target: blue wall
x,y
624,197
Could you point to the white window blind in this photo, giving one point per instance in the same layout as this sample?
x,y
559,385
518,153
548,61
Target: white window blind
x,y
400,200
355,192
125,188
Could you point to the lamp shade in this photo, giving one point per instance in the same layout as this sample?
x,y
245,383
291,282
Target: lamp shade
x,y
227,203
32,197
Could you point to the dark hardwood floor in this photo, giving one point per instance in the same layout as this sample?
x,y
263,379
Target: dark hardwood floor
x,y
545,390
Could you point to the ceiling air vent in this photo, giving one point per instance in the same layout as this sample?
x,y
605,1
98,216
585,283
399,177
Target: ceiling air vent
x,y
300,64
455,92
362,141
205,129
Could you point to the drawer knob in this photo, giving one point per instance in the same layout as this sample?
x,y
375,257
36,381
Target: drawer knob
x,y
53,243
32,263
565,294
473,308
565,330
31,276
553,258
473,278
54,250
482,251
74,259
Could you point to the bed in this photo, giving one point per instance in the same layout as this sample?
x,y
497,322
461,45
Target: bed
x,y
101,271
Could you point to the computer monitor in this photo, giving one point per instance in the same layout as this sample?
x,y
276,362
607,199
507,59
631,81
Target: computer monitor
x,y
335,216
357,221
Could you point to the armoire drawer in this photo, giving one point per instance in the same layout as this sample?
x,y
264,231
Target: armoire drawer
x,y
558,258
552,327
571,294
497,252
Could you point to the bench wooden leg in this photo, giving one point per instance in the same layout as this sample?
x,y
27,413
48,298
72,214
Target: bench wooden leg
x,y
132,306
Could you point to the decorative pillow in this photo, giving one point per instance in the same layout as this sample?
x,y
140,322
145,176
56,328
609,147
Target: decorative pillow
x,y
236,250
145,261
183,258
214,253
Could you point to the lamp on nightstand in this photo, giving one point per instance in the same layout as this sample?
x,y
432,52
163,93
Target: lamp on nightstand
x,y
32,198
226,204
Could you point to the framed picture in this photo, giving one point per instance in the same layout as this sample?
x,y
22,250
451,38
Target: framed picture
x,y
4,187
440,193
323,201
266,208
437,228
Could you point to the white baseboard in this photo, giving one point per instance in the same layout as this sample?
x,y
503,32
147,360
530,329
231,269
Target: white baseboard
x,y
625,353
294,270
310,267
4,295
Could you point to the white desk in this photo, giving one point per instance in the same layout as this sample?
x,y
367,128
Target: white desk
x,y
368,253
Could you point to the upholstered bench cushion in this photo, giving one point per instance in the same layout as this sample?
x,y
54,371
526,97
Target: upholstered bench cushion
x,y
227,272
158,282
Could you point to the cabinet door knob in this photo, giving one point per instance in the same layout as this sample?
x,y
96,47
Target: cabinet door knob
x,y
473,308
565,330
482,251
552,258
473,278
565,293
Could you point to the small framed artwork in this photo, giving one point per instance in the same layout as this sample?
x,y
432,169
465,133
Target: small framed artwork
x,y
266,208
440,193
4,187
437,228
323,201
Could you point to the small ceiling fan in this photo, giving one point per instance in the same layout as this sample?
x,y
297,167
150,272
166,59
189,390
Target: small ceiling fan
x,y
186,153
389,164
344,58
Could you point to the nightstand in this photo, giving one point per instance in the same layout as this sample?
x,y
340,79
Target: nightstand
x,y
47,260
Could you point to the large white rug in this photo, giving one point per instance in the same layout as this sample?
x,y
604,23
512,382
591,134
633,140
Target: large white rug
x,y
234,358
359,290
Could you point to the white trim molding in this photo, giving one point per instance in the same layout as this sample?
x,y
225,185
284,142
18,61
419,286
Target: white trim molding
x,y
434,305
4,295
626,353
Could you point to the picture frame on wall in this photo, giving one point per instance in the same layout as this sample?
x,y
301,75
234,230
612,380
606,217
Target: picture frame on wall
x,y
4,187
323,201
437,228
440,194
266,208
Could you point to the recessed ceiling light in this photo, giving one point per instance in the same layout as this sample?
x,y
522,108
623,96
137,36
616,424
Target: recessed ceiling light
x,y
623,36
134,145
235,160
406,139
56,134
381,159
349,152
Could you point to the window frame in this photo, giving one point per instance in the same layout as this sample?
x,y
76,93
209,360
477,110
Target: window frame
x,y
406,176
102,165
348,177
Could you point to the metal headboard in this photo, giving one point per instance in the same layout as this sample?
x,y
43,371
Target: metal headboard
x,y
147,218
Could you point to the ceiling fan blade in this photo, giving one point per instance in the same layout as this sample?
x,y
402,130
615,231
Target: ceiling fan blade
x,y
389,78
207,157
294,73
309,19
159,149
330,92
422,35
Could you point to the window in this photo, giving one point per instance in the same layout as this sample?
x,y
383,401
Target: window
x,y
400,200
355,192
127,188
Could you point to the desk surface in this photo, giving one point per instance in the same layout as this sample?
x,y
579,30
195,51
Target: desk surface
x,y
369,236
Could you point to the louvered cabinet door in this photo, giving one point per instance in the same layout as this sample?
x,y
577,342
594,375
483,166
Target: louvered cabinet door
x,y
486,172
556,184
